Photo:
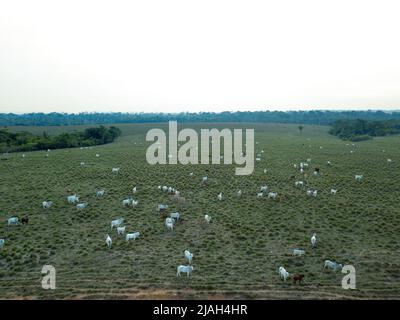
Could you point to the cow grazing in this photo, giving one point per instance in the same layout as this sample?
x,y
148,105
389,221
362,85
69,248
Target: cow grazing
x,y
263,189
207,218
25,220
121,230
239,193
72,199
359,177
283,273
81,206
12,221
332,265
115,170
314,240
100,193
272,195
117,222
169,225
161,208
127,202
134,190
298,252
299,183
220,196
108,241
316,170
185,269
298,278
97,155
312,193
47,204
132,236
333,191
260,195
175,215
134,203
188,256
2,242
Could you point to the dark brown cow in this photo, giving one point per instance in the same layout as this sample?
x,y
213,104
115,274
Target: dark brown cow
x,y
298,278
25,220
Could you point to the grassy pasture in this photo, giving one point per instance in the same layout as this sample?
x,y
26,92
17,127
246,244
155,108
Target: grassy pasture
x,y
238,254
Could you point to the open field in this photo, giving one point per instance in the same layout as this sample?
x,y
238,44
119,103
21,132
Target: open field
x,y
235,256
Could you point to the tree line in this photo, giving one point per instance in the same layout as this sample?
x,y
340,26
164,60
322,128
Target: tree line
x,y
359,130
301,117
26,141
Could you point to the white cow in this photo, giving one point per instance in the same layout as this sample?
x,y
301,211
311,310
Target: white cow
x,y
169,225
265,170
175,215
127,202
100,193
358,177
82,164
329,163
134,203
389,160
108,241
72,199
12,221
47,204
260,195
314,240
121,230
97,155
312,193
205,179
134,190
299,183
169,220
2,241
188,256
263,189
207,218
117,222
115,170
81,206
272,195
283,273
333,191
220,196
185,269
298,252
239,193
332,265
132,236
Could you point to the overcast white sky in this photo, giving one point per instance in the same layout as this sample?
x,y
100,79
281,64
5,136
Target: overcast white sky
x,y
185,55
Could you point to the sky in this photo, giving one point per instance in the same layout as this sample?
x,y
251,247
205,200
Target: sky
x,y
205,55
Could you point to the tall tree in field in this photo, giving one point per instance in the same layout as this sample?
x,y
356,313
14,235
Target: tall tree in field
x,y
301,129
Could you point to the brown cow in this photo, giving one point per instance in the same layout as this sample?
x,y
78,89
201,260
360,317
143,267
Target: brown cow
x,y
25,220
298,277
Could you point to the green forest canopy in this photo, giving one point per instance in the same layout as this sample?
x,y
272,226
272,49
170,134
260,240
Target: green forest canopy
x,y
358,130
26,141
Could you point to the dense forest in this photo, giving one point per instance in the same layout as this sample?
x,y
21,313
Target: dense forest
x,y
26,141
300,117
359,130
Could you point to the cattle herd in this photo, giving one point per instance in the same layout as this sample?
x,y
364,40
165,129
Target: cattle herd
x,y
171,219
